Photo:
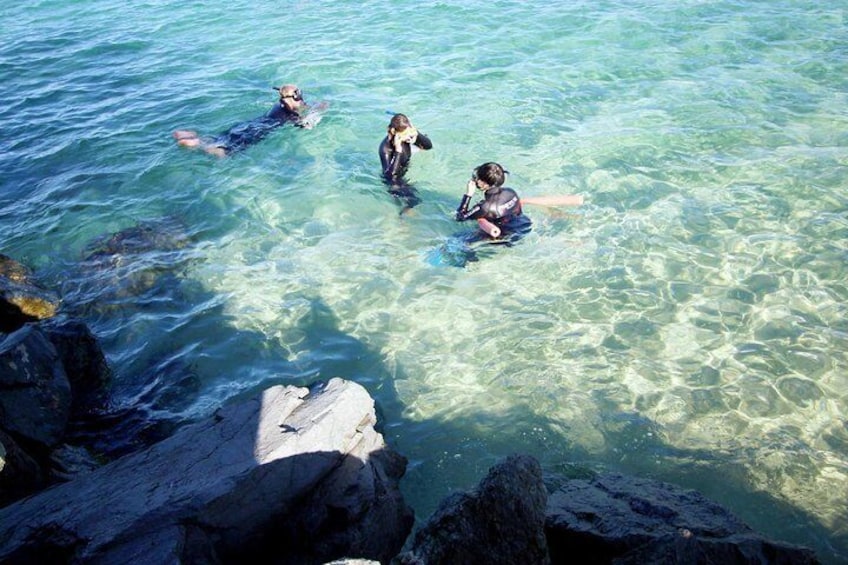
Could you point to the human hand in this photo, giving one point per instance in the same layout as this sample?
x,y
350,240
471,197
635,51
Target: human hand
x,y
471,187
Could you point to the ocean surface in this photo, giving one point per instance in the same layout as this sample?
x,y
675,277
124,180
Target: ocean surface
x,y
688,323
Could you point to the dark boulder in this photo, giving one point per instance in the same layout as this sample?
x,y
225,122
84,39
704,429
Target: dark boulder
x,y
619,519
20,473
83,360
501,522
35,395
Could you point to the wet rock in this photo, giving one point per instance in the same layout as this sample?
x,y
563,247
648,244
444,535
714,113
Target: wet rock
x,y
83,361
35,395
501,521
134,260
20,474
268,477
21,301
12,270
624,520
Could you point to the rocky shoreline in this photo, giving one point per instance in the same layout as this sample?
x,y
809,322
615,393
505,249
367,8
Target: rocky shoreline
x,y
295,475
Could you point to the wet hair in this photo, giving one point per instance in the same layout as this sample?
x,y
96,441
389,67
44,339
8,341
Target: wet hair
x,y
399,122
490,173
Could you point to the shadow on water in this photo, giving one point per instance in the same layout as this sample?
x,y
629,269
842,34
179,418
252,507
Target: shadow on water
x,y
158,388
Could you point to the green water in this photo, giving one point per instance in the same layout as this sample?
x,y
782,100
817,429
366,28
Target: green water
x,y
688,323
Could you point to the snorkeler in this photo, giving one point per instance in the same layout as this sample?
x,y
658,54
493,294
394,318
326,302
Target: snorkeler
x,y
291,108
500,207
395,154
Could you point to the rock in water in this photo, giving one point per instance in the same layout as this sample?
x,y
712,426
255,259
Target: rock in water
x,y
501,522
628,520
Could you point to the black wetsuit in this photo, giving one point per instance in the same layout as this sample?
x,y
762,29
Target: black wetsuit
x,y
502,207
247,133
395,165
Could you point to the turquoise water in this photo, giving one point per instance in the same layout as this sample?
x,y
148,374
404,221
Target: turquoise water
x,y
688,323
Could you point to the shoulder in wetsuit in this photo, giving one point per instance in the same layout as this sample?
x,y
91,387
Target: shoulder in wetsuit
x,y
247,133
395,163
501,206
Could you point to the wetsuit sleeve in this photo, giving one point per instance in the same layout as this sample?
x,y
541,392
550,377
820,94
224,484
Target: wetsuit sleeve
x,y
423,142
394,162
463,213
385,152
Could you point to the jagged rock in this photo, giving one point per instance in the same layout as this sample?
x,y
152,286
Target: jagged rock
x,y
501,521
21,301
35,395
258,481
83,361
20,474
625,520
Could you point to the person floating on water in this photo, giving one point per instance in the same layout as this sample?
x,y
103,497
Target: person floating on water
x,y
291,108
499,213
395,154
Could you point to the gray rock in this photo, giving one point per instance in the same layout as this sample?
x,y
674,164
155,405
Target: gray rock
x,y
501,521
35,395
618,519
259,480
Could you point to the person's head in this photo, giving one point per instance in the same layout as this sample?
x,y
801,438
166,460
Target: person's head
x,y
291,97
489,175
400,125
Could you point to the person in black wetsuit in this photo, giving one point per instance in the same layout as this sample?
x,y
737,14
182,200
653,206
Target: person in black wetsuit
x,y
500,205
395,154
289,109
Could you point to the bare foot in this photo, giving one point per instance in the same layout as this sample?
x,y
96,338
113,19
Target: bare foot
x,y
216,151
184,134
186,138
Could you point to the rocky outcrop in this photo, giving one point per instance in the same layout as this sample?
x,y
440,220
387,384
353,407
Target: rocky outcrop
x,y
21,301
501,521
51,370
35,395
297,474
610,519
625,520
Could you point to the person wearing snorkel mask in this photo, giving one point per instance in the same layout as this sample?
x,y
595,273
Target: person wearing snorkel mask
x,y
500,205
290,108
395,154
499,215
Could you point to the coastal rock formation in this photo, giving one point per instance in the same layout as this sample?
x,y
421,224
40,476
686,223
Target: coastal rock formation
x,y
300,474
21,301
625,520
610,519
35,395
501,521
51,369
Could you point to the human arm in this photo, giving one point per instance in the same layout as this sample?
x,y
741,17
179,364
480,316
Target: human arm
x,y
463,212
391,160
423,142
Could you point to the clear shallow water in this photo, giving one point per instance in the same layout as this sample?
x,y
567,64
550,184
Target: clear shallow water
x,y
688,323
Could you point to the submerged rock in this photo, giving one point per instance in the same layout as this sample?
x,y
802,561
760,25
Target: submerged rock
x,y
297,474
128,269
161,234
